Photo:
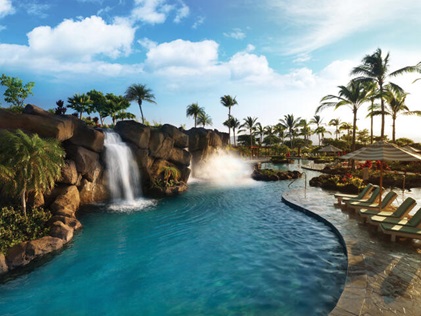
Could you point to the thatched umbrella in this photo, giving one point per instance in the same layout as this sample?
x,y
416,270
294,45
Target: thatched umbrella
x,y
382,151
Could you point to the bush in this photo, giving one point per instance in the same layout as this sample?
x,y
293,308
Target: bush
x,y
15,227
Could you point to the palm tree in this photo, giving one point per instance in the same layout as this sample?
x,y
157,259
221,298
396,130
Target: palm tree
x,y
194,110
305,129
316,119
234,125
321,130
280,131
336,123
375,68
80,103
290,123
408,69
353,96
395,100
271,137
35,163
228,101
114,106
250,124
139,93
204,119
260,131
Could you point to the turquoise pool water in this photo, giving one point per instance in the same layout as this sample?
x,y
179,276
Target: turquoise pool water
x,y
211,251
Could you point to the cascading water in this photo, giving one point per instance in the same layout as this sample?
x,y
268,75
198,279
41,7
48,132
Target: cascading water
x,y
224,169
123,172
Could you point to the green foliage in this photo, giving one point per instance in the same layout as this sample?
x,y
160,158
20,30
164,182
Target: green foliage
x,y
15,227
16,91
81,103
35,163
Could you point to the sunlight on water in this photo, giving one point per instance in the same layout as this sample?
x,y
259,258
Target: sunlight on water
x,y
224,169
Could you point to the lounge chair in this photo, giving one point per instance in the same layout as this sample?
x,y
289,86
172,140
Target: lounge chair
x,y
411,229
364,194
375,195
384,205
374,217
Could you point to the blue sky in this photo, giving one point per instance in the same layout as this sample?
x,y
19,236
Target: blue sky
x,y
277,57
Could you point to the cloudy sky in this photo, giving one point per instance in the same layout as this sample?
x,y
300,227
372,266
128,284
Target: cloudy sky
x,y
277,57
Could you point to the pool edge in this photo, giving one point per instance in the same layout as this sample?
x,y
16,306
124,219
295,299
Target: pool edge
x,y
353,295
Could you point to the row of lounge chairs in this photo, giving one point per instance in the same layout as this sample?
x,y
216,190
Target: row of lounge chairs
x,y
391,220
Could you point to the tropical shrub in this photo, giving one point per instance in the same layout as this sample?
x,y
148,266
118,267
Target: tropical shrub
x,y
16,227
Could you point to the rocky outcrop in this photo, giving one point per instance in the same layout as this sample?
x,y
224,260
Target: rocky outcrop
x,y
274,175
163,155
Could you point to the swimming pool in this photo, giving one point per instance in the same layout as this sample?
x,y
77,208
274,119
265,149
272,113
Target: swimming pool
x,y
211,251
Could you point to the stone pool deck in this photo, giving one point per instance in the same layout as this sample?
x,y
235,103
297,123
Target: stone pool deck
x,y
384,278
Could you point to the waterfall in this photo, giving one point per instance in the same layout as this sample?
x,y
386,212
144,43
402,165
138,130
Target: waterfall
x,y
123,172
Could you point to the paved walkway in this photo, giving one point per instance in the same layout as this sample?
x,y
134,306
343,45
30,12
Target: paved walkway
x,y
384,278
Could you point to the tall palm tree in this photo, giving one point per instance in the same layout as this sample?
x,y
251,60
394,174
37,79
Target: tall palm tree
x,y
345,126
321,131
250,124
395,101
235,124
228,101
204,119
375,68
353,96
316,119
260,131
139,93
280,131
305,129
291,124
336,123
194,110
35,163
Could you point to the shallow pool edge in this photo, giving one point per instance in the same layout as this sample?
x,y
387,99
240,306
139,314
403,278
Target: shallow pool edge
x,y
353,295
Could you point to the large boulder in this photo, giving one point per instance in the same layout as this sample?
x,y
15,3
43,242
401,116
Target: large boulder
x,y
69,221
87,161
160,144
180,156
62,231
16,256
198,138
3,265
134,132
181,139
68,173
67,202
93,192
86,136
42,246
46,125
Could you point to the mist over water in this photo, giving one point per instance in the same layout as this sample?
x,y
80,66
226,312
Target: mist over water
x,y
224,169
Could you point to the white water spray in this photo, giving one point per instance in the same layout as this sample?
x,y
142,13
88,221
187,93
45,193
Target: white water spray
x,y
224,169
123,172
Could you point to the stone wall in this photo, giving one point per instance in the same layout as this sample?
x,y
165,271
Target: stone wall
x,y
84,175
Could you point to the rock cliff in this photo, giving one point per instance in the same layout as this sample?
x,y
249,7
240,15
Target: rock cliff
x,y
163,155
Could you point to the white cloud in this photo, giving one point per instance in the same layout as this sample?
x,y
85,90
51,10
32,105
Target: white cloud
x,y
6,8
82,39
181,53
36,9
245,66
236,34
157,11
322,22
147,43
199,21
181,12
